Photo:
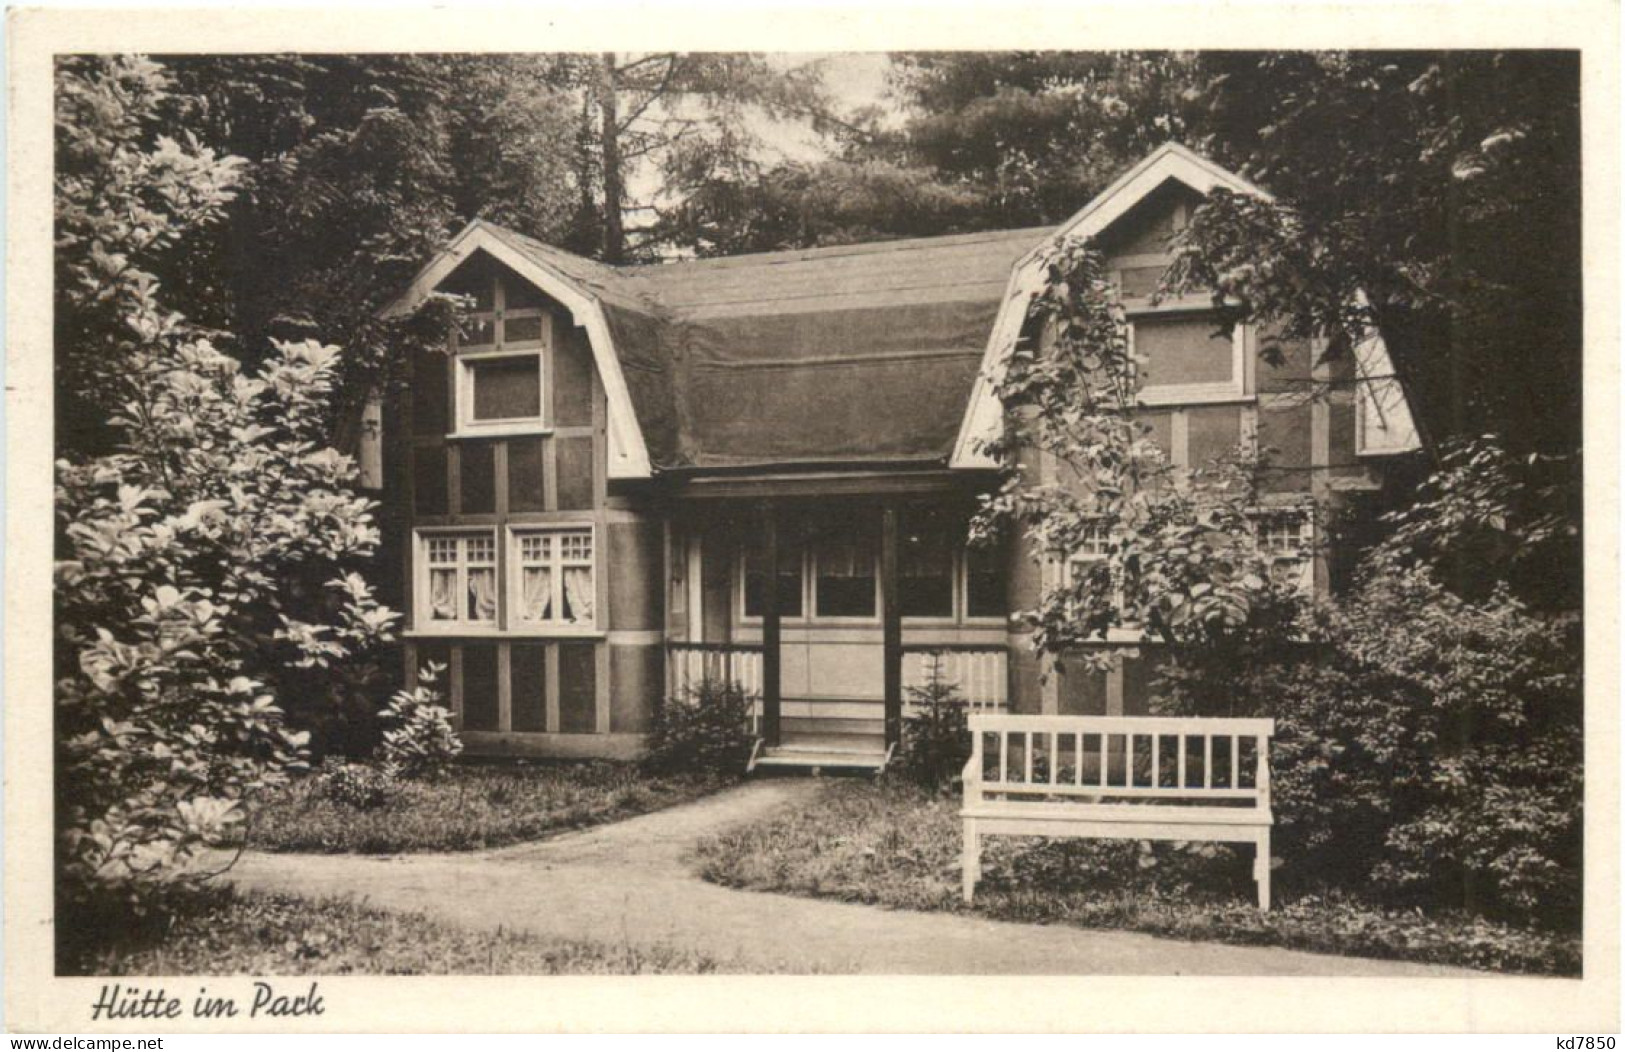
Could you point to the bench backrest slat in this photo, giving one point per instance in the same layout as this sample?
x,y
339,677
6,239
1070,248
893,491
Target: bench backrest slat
x,y
1122,770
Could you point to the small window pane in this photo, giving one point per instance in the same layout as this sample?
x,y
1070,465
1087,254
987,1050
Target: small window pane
x,y
846,574
984,583
789,581
536,593
925,582
482,594
520,295
522,330
578,598
443,595
477,332
507,388
482,549
576,547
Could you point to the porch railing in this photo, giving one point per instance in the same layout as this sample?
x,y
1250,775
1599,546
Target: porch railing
x,y
690,664
981,672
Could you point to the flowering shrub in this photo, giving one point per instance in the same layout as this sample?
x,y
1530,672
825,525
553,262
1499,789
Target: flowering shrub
x,y
419,739
1428,747
208,539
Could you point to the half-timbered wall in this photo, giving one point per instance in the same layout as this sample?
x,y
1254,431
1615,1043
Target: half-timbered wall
x,y
553,646
1204,392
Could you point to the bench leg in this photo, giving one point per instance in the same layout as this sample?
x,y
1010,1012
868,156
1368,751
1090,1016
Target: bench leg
x,y
970,862
1261,869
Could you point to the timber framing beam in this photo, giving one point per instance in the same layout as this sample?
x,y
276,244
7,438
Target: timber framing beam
x,y
891,627
771,635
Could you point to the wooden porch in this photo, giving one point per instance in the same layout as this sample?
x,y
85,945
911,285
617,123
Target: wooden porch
x,y
826,599
850,734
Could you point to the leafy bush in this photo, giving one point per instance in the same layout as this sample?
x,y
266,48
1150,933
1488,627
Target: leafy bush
x,y
705,730
208,540
419,739
1429,744
936,733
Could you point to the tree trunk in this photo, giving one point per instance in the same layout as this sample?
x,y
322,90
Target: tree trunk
x,y
614,247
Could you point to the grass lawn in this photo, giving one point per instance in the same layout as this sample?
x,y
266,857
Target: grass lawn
x,y
222,933
472,806
890,844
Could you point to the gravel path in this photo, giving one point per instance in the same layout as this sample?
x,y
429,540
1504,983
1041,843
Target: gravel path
x,y
629,882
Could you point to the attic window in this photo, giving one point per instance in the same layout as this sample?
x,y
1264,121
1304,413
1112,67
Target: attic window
x,y
1186,357
500,375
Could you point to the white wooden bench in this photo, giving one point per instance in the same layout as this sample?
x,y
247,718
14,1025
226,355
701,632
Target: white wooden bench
x,y
1135,778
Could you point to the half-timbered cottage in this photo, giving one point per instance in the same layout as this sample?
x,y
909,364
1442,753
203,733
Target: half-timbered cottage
x,y
620,479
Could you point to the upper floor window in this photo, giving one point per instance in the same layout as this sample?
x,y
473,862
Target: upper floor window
x,y
1091,557
1186,357
500,383
1287,538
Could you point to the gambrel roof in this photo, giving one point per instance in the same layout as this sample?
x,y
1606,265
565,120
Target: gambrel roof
x,y
884,352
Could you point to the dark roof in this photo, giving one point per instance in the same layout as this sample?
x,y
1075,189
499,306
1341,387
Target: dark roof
x,y
856,353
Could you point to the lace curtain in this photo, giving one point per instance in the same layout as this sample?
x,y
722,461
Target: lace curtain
x,y
578,594
443,595
536,600
482,595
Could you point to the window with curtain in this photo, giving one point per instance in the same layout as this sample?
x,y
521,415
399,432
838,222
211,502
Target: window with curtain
x,y
459,586
925,566
847,572
791,557
984,582
554,578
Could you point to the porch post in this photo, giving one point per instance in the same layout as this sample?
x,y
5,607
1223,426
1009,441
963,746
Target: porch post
x,y
891,626
770,624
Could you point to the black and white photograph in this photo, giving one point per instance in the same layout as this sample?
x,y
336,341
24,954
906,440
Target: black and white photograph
x,y
1085,511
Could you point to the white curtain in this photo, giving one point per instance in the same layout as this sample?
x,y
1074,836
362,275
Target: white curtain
x,y
536,600
578,594
443,595
482,595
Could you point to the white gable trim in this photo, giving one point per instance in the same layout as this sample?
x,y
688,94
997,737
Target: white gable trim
x,y
984,416
628,454
1382,423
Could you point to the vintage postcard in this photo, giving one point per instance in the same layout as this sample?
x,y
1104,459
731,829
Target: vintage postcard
x,y
1098,518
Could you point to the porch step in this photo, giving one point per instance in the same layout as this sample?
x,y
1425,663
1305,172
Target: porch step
x,y
833,708
853,744
825,725
812,752
813,761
